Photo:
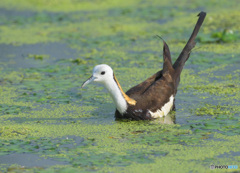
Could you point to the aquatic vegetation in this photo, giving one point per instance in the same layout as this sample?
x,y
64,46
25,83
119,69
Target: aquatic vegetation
x,y
38,57
48,48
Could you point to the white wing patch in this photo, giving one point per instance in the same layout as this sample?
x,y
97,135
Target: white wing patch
x,y
164,110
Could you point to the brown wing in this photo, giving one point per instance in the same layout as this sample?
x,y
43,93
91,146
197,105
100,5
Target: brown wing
x,y
142,87
156,95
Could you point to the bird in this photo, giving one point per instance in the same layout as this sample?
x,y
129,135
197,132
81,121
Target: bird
x,y
154,97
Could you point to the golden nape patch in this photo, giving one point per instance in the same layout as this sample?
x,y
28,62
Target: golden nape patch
x,y
128,99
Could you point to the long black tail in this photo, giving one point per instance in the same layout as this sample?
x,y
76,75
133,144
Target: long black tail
x,y
183,57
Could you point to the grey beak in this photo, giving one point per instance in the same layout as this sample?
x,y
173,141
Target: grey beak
x,y
88,81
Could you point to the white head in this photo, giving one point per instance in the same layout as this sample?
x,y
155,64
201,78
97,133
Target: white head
x,y
104,74
101,73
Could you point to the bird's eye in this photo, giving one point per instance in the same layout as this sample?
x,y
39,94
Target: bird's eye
x,y
103,72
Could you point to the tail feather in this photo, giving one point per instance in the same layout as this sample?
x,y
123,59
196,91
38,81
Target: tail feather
x,y
167,60
183,57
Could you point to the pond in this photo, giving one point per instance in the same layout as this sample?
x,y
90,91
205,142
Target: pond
x,y
49,48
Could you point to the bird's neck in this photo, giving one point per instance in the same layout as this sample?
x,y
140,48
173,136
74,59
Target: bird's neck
x,y
120,99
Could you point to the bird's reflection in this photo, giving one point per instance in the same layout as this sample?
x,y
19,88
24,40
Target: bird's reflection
x,y
168,119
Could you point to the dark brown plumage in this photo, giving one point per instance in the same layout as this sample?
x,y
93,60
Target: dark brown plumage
x,y
155,92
